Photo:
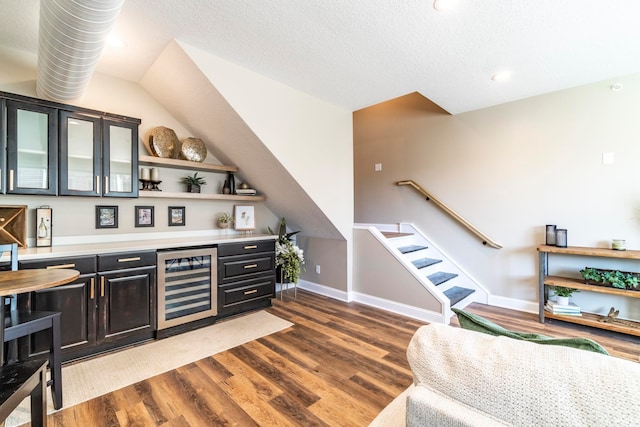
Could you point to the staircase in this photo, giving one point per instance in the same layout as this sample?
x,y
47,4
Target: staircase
x,y
439,273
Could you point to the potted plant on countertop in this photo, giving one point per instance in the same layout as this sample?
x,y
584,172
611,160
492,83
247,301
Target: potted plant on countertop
x,y
194,182
225,219
563,293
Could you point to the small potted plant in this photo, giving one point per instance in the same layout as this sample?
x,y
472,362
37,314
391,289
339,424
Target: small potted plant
x,y
193,183
225,219
563,294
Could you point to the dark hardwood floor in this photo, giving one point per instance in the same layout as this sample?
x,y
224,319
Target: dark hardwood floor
x,y
339,365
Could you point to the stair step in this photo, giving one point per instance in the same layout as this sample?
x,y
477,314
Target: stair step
x,y
425,262
457,294
440,277
411,248
392,234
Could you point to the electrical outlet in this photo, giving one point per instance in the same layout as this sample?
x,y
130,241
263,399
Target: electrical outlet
x,y
317,269
378,167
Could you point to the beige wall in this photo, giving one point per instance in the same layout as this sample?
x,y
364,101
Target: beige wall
x,y
509,170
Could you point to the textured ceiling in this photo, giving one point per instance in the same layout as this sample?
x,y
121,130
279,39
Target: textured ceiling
x,y
358,53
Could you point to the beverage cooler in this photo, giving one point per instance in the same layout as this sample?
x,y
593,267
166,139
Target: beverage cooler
x,y
187,287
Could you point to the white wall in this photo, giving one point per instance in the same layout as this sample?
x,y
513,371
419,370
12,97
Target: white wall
x,y
75,216
508,170
312,141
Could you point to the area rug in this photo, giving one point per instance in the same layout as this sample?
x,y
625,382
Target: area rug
x,y
92,378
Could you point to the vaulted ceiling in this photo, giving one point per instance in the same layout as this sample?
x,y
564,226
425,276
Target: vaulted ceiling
x,y
358,53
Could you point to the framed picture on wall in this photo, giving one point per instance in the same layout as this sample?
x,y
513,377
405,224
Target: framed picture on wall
x,y
177,215
106,217
144,216
43,226
244,217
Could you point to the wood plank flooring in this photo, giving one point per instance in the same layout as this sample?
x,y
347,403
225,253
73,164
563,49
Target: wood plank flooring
x,y
339,365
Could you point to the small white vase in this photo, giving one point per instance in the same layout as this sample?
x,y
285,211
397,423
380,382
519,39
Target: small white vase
x,y
562,300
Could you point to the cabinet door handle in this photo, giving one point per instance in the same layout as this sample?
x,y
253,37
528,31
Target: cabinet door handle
x,y
136,258
11,179
251,247
102,286
253,291
0,179
97,184
106,185
250,266
93,288
52,267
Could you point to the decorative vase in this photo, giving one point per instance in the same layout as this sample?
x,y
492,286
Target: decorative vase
x,y
562,300
232,183
225,187
193,188
223,224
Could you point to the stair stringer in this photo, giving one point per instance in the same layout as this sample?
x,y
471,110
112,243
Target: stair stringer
x,y
417,237
481,293
375,281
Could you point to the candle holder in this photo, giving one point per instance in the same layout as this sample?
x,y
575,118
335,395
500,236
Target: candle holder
x,y
149,185
550,235
561,237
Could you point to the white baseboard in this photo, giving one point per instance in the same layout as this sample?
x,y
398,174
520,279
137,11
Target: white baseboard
x,y
407,310
324,290
513,304
399,308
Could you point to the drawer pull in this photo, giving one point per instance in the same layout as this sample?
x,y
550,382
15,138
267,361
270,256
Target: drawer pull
x,y
251,292
136,258
102,286
93,288
251,247
251,266
51,267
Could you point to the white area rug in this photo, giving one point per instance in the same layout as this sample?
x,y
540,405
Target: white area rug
x,y
92,378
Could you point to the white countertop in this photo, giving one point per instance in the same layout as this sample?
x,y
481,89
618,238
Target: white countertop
x,y
136,245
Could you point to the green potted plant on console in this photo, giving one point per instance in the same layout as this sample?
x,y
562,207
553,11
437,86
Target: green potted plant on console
x,y
563,293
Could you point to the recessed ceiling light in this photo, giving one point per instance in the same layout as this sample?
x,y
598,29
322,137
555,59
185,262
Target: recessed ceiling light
x,y
115,41
444,5
501,76
616,87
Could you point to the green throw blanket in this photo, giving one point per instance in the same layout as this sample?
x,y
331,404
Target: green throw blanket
x,y
480,324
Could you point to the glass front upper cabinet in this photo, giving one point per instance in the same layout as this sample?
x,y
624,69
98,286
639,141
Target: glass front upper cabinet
x,y
80,173
120,158
31,149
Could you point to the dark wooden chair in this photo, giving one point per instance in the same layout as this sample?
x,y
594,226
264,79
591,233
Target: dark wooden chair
x,y
20,380
23,323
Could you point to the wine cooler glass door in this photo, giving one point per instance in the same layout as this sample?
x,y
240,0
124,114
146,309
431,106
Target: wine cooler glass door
x,y
187,288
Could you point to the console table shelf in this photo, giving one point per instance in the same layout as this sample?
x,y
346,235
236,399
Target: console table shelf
x,y
589,319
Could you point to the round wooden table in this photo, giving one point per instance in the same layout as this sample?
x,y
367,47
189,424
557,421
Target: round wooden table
x,y
21,281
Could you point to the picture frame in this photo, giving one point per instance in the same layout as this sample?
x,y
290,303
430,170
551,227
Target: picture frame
x,y
106,217
177,216
244,217
44,217
144,216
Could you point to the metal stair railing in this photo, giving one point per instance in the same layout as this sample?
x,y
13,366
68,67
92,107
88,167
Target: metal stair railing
x,y
485,239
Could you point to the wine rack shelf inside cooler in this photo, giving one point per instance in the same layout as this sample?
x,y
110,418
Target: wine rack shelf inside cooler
x,y
187,288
